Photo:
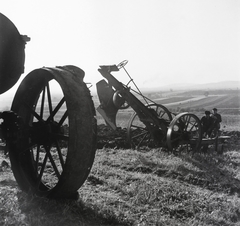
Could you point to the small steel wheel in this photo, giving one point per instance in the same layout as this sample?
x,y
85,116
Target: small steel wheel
x,y
184,133
138,135
56,138
122,64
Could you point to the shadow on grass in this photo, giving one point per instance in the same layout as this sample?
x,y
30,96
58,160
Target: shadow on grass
x,y
9,183
42,211
213,171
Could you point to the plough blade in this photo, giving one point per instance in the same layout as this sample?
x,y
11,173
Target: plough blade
x,y
107,108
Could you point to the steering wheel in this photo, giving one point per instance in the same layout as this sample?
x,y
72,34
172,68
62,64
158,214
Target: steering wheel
x,y
122,64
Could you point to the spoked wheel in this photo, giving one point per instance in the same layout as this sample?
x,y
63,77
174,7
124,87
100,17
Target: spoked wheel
x,y
56,142
184,133
138,135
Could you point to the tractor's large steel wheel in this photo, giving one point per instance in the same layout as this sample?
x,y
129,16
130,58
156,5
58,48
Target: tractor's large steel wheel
x,y
138,135
56,140
184,133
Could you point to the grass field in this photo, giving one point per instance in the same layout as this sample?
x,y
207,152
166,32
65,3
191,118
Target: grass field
x,y
126,187
151,187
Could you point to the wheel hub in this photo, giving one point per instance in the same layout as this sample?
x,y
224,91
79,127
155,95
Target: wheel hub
x,y
43,132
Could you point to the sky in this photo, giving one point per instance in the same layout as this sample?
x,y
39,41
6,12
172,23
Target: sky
x,y
165,41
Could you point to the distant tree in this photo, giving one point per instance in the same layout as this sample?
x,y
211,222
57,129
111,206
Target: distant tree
x,y
206,93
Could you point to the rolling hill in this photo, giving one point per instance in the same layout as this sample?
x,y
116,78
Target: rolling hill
x,y
193,86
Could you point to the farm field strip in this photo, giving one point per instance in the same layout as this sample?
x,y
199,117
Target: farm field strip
x,y
185,100
203,102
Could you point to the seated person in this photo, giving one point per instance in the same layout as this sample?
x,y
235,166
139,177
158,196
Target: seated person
x,y
207,123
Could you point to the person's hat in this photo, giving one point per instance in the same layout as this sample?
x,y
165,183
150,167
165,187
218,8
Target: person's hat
x,y
215,109
207,112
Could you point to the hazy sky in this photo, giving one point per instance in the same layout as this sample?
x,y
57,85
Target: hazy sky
x,y
165,41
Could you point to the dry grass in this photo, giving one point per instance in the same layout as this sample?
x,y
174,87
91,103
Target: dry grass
x,y
231,122
19,208
127,187
157,188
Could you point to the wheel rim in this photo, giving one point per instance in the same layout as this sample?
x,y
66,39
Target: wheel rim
x,y
138,135
47,158
184,133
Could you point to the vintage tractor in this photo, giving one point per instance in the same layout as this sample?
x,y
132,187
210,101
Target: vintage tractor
x,y
50,131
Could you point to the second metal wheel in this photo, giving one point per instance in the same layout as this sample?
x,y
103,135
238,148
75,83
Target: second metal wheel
x,y
184,133
138,135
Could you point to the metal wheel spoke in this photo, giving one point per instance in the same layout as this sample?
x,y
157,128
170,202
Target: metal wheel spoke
x,y
34,113
32,156
52,162
37,156
142,140
187,122
193,126
139,135
155,108
42,103
49,99
59,154
65,115
161,114
39,178
56,109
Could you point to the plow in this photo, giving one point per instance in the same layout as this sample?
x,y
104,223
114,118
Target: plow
x,y
50,131
151,124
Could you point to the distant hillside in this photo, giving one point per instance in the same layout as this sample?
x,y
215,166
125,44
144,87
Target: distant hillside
x,y
192,86
219,85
